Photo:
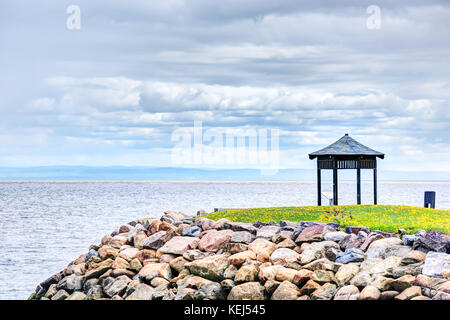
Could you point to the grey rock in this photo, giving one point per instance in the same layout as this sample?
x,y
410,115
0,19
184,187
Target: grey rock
x,y
89,284
160,292
408,240
267,232
141,292
242,237
77,295
241,226
335,236
413,269
185,294
193,231
433,241
361,279
350,255
94,293
210,291
91,253
117,287
74,282
60,295
155,241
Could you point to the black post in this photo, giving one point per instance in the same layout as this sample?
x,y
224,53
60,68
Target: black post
x,y
358,185
335,185
375,186
319,187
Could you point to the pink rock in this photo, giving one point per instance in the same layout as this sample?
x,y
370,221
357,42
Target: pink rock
x,y
263,249
284,256
310,234
153,270
241,257
178,245
213,239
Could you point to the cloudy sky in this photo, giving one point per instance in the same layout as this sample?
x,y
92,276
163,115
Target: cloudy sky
x,y
114,91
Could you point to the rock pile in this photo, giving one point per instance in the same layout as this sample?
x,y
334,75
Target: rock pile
x,y
181,257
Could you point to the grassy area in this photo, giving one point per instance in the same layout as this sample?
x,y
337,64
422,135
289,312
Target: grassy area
x,y
388,218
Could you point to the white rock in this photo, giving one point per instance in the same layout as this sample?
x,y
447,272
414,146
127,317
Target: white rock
x,y
435,264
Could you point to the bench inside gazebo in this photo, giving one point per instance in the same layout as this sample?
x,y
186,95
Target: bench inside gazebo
x,y
346,153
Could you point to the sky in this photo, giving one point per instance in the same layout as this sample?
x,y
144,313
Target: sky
x,y
136,77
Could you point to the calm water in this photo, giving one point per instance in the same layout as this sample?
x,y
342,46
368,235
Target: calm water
x,y
45,225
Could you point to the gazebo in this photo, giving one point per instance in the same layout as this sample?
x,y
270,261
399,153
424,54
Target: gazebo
x,y
346,153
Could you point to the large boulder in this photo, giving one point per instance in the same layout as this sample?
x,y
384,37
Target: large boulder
x,y
193,231
346,273
318,250
117,287
361,279
239,258
242,237
311,234
370,293
409,293
141,292
211,268
380,266
179,245
435,264
211,291
415,256
349,292
325,292
128,253
286,291
433,241
350,255
267,232
351,241
309,287
403,282
284,256
263,249
77,295
335,236
213,240
153,270
247,291
247,272
387,247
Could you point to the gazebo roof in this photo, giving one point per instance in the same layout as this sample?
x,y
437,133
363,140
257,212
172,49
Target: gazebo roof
x,y
346,146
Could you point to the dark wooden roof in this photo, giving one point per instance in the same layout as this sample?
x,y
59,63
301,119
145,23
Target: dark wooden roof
x,y
346,146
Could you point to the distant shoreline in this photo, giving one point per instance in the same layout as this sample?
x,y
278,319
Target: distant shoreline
x,y
209,181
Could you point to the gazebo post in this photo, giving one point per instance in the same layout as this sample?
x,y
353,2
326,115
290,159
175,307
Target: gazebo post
x,y
335,186
375,186
358,185
319,188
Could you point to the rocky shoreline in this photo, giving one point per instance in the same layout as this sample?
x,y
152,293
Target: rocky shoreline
x,y
180,257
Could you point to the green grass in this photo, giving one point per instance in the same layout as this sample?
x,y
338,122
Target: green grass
x,y
387,218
